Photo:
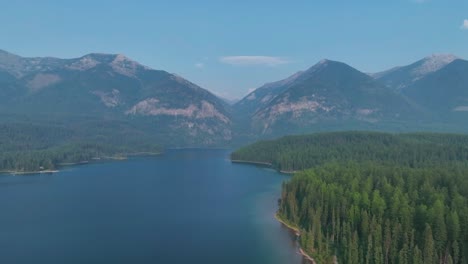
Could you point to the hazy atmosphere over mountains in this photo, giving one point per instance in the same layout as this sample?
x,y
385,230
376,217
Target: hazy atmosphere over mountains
x,y
428,94
248,44
234,132
106,86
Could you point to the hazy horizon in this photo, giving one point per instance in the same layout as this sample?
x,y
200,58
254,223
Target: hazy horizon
x,y
232,48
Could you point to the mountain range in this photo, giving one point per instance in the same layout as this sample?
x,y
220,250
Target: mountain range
x,y
115,91
113,87
330,92
430,94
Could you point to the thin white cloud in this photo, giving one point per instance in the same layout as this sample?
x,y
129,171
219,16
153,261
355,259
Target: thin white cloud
x,y
464,26
199,65
254,60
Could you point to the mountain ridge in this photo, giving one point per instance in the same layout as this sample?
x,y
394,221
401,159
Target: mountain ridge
x,y
329,91
402,76
329,95
113,85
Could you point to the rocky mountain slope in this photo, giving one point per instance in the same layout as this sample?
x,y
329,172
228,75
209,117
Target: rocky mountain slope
x,y
110,95
115,87
329,93
264,95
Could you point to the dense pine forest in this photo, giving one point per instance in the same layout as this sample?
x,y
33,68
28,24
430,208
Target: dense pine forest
x,y
373,197
28,147
293,153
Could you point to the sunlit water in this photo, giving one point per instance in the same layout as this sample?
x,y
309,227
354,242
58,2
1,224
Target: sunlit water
x,y
186,206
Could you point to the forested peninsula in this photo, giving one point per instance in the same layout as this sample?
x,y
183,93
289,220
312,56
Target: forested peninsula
x,y
31,148
368,197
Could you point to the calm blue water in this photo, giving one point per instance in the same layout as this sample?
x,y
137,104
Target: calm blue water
x,y
186,206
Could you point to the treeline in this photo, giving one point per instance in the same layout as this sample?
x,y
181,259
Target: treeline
x,y
21,136
293,153
366,197
51,158
28,147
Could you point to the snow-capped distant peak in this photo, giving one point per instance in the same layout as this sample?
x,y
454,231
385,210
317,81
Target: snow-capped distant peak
x,y
433,63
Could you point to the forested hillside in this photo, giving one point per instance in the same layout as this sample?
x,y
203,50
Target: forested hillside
x,y
27,147
99,86
293,153
374,197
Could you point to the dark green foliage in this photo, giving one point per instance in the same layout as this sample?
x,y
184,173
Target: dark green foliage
x,y
329,196
374,197
26,147
294,153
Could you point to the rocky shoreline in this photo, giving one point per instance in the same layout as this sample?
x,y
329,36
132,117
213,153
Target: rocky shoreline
x,y
298,233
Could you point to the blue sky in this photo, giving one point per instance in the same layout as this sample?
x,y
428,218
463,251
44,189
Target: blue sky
x,y
231,47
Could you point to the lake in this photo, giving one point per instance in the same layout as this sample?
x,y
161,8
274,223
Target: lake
x,y
185,206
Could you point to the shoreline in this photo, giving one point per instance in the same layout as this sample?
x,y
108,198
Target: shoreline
x,y
252,162
291,228
262,163
288,172
29,172
65,164
83,162
144,153
298,234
